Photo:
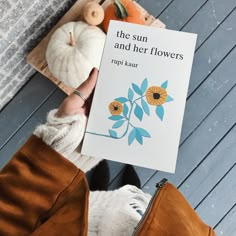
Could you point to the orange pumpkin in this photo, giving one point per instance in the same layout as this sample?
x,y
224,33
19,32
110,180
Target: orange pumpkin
x,y
122,10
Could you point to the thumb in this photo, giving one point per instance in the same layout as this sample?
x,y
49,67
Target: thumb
x,y
87,87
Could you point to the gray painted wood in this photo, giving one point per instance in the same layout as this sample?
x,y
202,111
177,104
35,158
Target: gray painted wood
x,y
201,142
24,104
213,51
227,226
211,170
179,12
115,169
117,181
209,94
210,55
155,7
144,174
26,130
209,18
219,201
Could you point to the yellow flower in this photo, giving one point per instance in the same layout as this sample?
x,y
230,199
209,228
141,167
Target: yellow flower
x,y
116,108
156,95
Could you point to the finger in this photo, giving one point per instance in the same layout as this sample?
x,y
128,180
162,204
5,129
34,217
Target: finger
x,y
87,87
74,103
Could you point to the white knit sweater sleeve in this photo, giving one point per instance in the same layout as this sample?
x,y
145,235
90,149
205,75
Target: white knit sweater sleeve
x,y
65,136
117,212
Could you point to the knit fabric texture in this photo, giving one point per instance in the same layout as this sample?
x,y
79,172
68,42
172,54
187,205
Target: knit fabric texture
x,y
116,213
65,134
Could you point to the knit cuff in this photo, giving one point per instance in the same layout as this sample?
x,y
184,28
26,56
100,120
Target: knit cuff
x,y
64,134
122,208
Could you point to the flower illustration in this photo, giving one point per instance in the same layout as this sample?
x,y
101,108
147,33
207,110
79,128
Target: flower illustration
x,y
128,111
156,95
116,108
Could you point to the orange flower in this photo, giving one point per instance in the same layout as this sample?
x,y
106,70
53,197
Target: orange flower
x,y
156,95
116,108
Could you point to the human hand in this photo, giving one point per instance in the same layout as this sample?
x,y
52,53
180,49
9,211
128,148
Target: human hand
x,y
74,104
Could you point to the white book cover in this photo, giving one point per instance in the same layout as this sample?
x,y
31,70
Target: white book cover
x,y
139,100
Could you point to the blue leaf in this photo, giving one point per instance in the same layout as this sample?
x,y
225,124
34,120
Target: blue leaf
x,y
169,99
139,138
132,136
144,85
160,112
143,132
113,133
136,89
122,99
165,84
125,110
145,107
138,111
116,117
130,94
118,124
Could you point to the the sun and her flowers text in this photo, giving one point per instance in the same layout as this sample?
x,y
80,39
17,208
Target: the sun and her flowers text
x,y
131,45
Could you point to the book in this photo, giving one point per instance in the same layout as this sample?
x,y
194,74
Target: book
x,y
138,105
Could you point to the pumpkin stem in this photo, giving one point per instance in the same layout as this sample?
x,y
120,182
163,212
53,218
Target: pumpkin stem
x,y
72,40
121,11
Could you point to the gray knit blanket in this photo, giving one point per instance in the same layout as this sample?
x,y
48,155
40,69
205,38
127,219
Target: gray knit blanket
x,y
23,24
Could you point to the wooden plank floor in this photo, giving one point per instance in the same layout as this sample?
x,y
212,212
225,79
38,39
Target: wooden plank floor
x,y
206,171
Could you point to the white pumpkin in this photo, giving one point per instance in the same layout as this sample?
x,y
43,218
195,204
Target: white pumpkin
x,y
69,62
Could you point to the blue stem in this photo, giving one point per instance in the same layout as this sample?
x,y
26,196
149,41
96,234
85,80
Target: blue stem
x,y
131,109
128,124
104,135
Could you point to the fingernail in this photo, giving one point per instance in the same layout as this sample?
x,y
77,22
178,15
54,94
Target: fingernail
x,y
91,72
